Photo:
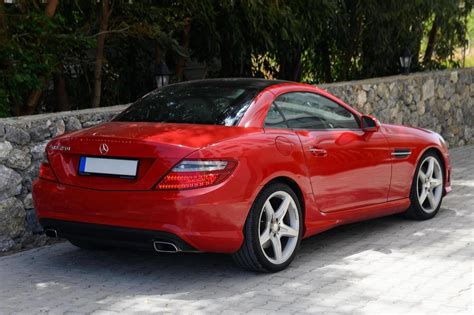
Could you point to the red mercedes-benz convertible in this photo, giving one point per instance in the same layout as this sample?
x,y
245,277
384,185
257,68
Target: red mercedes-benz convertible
x,y
241,166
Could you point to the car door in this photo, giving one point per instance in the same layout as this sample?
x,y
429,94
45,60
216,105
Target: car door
x,y
349,168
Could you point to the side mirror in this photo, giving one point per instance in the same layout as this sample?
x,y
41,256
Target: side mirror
x,y
369,123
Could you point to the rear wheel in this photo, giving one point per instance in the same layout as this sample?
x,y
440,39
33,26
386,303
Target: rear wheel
x,y
427,188
272,232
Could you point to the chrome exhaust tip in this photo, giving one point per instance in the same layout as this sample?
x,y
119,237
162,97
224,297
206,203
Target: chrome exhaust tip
x,y
165,247
51,233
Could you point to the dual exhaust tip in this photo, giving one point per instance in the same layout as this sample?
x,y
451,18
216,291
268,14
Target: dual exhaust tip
x,y
158,246
51,233
165,247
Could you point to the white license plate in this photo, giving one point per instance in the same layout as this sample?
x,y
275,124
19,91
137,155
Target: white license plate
x,y
108,166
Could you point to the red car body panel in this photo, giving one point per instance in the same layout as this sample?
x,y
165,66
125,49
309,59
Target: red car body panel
x,y
356,179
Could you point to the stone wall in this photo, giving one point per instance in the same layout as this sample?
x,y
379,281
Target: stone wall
x,y
22,143
441,101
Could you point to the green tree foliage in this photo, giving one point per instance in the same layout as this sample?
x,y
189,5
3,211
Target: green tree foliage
x,y
311,41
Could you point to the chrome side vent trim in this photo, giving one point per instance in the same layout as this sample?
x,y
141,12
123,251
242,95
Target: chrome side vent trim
x,y
401,153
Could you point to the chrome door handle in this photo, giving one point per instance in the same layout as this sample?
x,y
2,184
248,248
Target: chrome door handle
x,y
318,152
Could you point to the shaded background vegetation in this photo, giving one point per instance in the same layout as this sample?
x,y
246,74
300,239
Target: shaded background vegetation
x,y
69,54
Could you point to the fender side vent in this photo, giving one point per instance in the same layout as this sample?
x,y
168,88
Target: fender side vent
x,y
401,153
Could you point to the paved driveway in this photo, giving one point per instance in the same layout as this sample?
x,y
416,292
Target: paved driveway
x,y
388,265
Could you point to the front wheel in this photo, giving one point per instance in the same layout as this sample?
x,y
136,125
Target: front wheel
x,y
427,188
273,230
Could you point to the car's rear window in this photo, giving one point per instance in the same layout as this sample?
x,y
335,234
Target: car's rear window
x,y
198,104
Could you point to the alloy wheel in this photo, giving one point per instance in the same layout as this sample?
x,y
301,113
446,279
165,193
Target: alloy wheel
x,y
279,227
430,184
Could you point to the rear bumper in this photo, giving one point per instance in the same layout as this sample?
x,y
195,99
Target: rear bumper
x,y
113,235
207,220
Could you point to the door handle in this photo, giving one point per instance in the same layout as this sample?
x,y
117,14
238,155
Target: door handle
x,y
318,151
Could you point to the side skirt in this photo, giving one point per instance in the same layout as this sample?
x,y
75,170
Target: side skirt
x,y
326,221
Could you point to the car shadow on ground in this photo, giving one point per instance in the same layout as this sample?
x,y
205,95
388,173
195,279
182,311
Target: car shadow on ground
x,y
322,266
326,248
322,249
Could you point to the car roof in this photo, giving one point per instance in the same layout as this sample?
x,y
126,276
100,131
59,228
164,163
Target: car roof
x,y
255,83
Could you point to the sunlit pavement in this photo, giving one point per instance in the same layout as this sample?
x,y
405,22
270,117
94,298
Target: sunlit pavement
x,y
387,265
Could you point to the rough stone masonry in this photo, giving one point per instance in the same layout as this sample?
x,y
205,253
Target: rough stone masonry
x,y
441,101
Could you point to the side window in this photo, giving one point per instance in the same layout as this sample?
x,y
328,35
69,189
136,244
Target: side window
x,y
274,119
304,110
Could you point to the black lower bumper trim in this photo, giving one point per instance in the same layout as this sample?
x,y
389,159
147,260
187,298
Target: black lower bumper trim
x,y
113,235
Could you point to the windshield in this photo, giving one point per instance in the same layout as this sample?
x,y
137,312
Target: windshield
x,y
192,104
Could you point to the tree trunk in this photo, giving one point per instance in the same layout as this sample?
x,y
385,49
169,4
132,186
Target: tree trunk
x,y
3,25
51,8
297,69
32,101
35,96
6,63
326,61
418,30
290,66
60,88
431,41
157,63
227,66
182,59
352,38
282,68
99,55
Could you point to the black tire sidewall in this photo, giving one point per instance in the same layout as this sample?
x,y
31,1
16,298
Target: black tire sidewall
x,y
253,229
415,203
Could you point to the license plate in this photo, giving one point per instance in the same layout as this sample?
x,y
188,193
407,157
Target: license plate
x,y
108,167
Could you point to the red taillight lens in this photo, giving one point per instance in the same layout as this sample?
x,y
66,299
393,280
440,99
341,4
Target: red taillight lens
x,y
46,172
191,174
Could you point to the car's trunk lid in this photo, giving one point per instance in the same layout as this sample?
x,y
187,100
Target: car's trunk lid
x,y
156,146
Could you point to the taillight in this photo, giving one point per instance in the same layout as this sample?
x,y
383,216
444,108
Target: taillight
x,y
189,174
46,172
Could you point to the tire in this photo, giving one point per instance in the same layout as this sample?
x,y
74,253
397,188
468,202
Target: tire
x,y
270,227
426,194
87,245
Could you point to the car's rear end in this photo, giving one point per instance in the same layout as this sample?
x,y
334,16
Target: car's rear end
x,y
141,181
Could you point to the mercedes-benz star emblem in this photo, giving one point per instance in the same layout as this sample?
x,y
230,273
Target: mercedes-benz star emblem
x,y
103,149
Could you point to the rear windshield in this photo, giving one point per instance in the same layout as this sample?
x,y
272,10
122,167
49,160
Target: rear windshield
x,y
188,104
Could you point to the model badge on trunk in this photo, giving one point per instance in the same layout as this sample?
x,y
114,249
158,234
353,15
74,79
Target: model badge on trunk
x,y
60,148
